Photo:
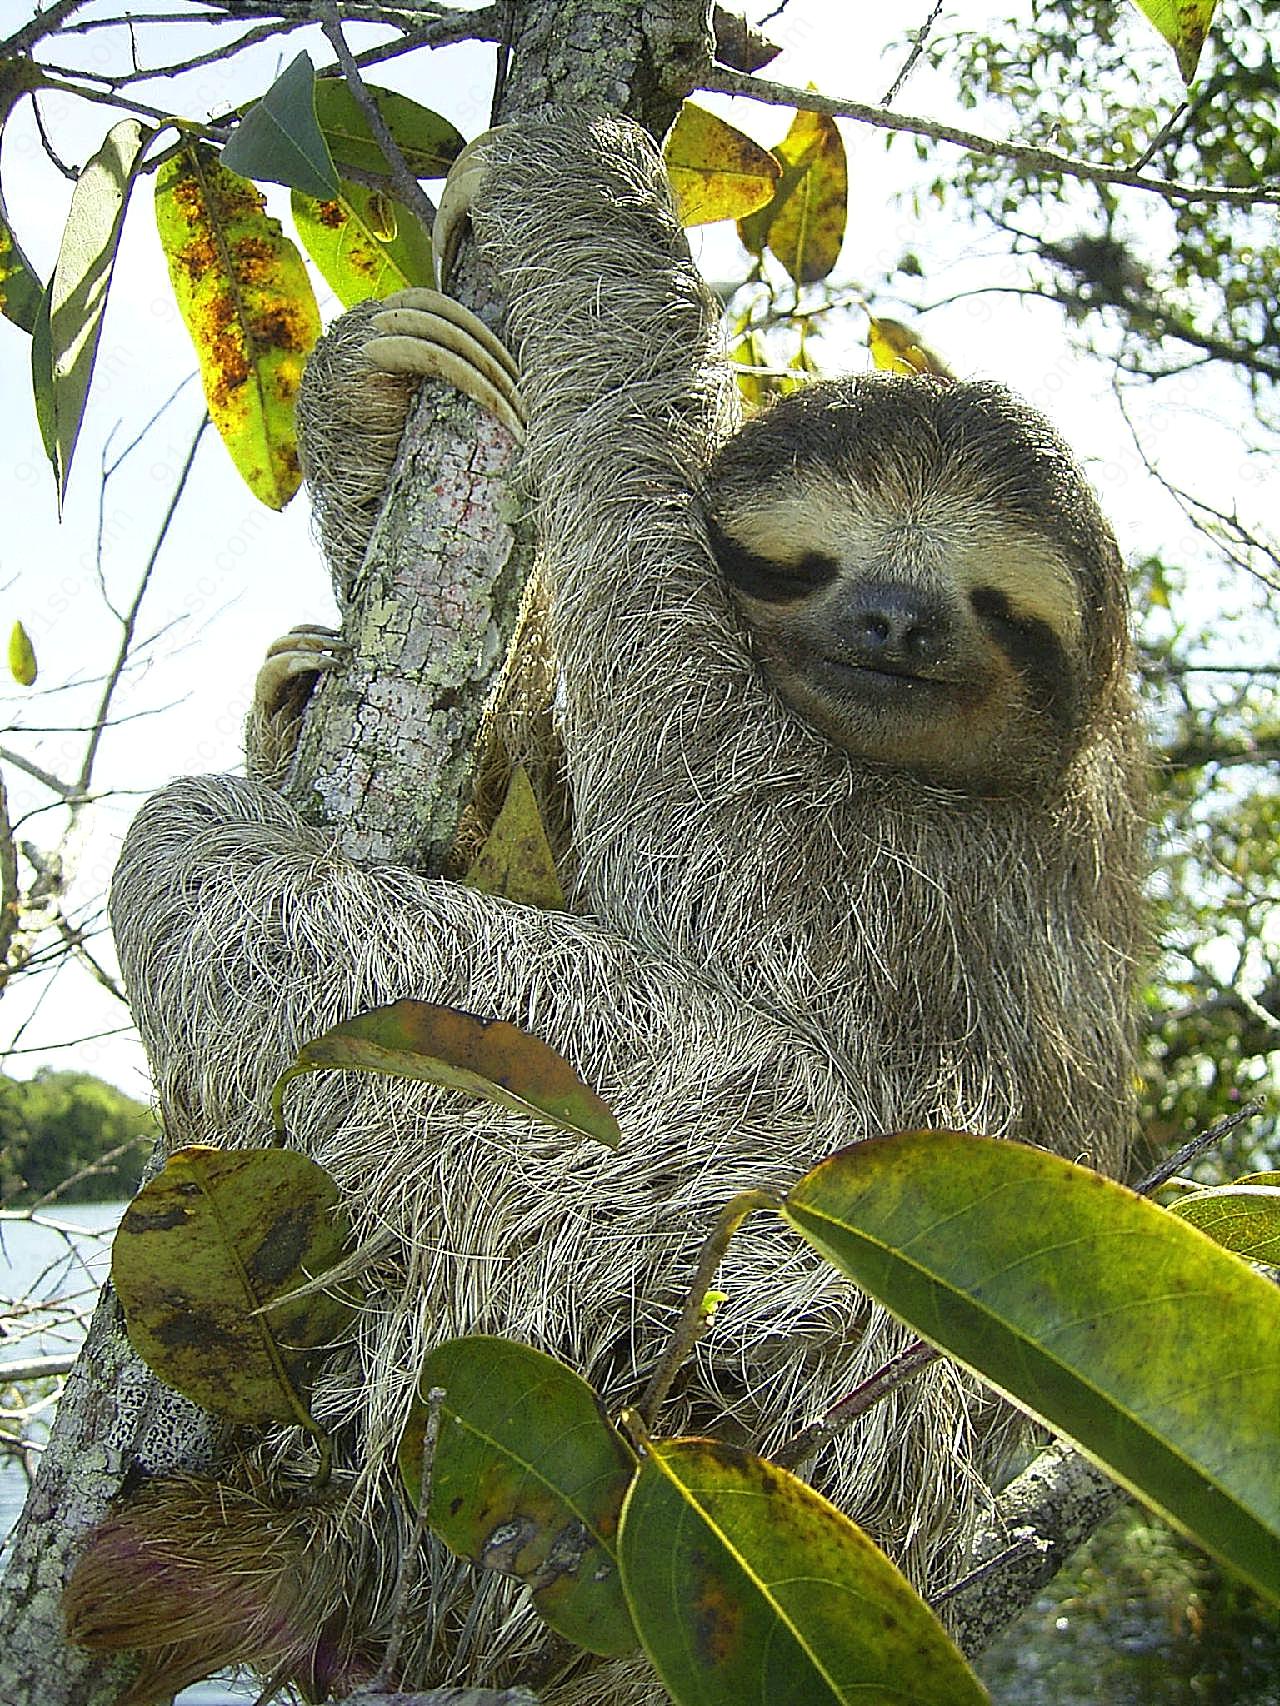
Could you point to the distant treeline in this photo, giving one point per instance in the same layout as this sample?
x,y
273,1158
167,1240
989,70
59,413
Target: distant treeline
x,y
58,1125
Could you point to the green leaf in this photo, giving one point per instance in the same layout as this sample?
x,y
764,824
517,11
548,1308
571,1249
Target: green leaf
x,y
1184,24
746,1585
527,1477
245,297
79,286
443,1045
22,656
516,860
804,224
280,139
203,1249
364,242
429,143
42,377
1156,1351
1240,1217
715,171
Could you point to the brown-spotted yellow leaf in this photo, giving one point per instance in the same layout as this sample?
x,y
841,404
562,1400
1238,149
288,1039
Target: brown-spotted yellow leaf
x,y
244,294
203,1249
715,171
1113,1321
516,860
1184,24
898,348
364,242
746,1585
428,143
488,1058
22,656
804,224
527,1477
77,298
1241,1217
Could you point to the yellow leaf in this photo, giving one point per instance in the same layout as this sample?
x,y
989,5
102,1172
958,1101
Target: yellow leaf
x,y
806,221
362,245
1184,24
897,348
516,860
715,171
22,656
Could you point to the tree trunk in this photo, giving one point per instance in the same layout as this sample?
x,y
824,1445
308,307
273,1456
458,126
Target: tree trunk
x,y
385,762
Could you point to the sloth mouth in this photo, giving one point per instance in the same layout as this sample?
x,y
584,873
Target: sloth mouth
x,y
883,678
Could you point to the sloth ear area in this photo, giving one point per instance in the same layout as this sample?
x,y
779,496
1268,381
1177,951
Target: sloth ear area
x,y
427,335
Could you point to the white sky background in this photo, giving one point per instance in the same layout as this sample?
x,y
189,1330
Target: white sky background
x,y
233,575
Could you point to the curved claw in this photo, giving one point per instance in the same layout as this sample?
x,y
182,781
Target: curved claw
x,y
461,187
423,333
287,677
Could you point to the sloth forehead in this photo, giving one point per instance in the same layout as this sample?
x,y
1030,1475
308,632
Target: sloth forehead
x,y
941,534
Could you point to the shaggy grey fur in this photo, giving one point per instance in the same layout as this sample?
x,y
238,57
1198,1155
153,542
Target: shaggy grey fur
x,y
777,950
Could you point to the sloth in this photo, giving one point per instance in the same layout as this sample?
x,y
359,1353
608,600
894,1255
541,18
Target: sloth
x,y
854,787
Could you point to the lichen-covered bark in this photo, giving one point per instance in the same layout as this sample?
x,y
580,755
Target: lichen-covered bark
x,y
114,1415
385,756
1039,1520
384,762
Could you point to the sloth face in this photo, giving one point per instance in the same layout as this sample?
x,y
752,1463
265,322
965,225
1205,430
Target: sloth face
x,y
925,577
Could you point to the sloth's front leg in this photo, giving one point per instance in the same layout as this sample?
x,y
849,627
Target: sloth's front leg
x,y
430,336
415,334
289,675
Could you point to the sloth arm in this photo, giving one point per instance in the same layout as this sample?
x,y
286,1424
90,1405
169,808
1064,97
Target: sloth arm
x,y
666,725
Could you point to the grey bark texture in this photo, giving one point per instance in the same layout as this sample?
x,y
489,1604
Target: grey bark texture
x,y
386,766
1039,1520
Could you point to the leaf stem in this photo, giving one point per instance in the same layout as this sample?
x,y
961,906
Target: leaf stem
x,y
690,1326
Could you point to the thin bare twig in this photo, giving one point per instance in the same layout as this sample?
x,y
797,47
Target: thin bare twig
x,y
73,938
51,153
918,39
9,896
896,1372
1196,1146
130,619
64,790
45,23
408,189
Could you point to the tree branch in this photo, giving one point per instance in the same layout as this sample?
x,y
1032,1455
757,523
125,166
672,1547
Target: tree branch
x,y
725,82
1035,1525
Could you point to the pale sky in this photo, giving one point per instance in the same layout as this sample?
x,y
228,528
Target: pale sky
x,y
233,575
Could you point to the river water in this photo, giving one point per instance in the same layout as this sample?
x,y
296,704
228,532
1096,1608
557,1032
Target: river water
x,y
48,1272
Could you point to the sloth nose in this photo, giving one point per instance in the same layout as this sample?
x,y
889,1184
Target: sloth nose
x,y
887,622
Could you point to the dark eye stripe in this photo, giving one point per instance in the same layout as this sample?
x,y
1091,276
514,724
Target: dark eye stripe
x,y
1035,651
761,577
